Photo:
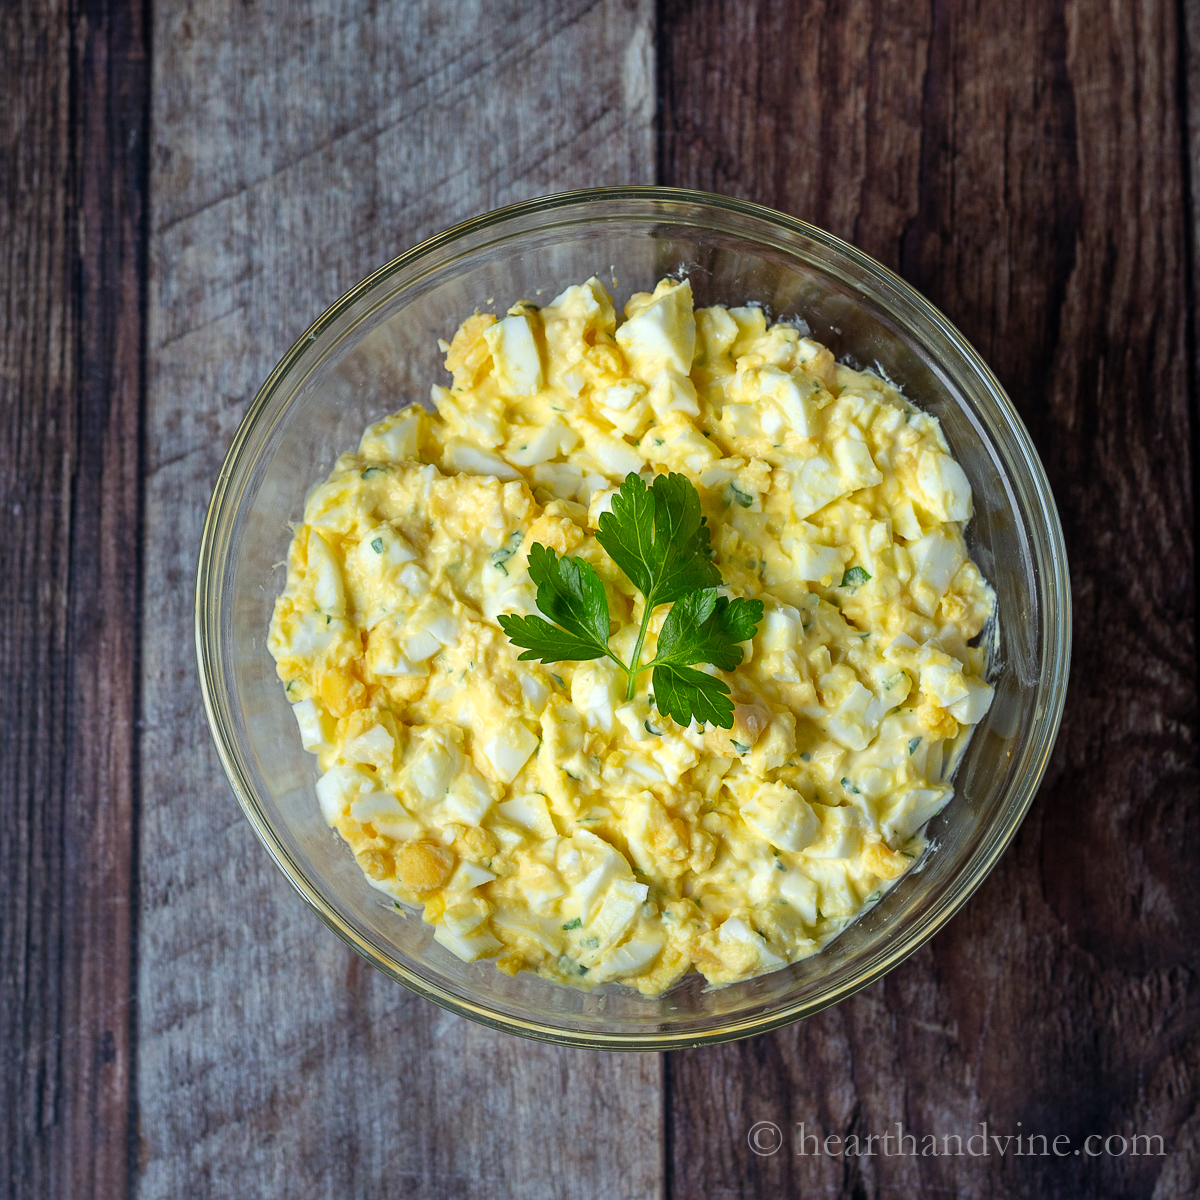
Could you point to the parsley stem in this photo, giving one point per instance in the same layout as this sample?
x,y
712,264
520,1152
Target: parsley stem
x,y
634,670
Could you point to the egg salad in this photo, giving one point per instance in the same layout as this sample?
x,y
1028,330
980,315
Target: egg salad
x,y
541,815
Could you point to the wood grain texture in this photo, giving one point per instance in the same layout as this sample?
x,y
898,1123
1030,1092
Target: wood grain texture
x,y
72,204
295,149
1028,166
1021,165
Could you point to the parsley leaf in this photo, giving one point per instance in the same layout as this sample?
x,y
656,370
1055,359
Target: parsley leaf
x,y
683,693
658,537
547,643
570,593
705,627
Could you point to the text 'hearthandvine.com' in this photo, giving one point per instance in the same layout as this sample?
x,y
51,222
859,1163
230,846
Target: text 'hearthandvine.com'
x,y
765,1139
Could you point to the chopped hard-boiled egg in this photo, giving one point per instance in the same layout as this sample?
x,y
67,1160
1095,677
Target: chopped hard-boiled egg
x,y
541,815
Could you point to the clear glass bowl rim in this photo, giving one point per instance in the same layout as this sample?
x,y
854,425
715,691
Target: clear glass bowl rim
x,y
1046,540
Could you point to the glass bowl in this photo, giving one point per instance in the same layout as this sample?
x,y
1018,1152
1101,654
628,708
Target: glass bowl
x,y
376,350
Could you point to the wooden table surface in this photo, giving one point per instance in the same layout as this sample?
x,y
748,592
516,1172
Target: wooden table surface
x,y
184,186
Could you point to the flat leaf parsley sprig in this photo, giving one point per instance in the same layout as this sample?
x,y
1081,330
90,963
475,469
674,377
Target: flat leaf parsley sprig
x,y
659,539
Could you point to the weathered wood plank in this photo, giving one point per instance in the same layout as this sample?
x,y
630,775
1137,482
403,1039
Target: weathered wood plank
x,y
72,204
295,150
1021,165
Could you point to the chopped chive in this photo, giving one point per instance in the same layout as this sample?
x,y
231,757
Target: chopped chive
x,y
739,747
377,545
575,924
912,746
745,499
855,577
510,547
